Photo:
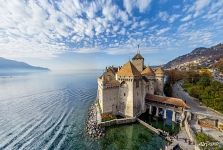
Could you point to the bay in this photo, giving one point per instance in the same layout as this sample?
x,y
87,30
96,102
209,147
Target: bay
x,y
49,110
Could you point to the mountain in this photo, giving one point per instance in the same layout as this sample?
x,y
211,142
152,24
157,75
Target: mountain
x,y
219,65
201,57
7,65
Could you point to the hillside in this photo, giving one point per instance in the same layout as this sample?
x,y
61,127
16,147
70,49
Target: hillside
x,y
203,57
219,65
7,65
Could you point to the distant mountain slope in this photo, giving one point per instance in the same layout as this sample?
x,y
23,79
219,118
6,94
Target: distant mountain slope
x,y
7,65
219,65
201,56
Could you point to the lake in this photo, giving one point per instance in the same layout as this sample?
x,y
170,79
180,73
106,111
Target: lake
x,y
48,111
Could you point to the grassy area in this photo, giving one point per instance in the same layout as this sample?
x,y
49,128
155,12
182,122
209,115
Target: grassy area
x,y
107,117
202,137
206,142
208,91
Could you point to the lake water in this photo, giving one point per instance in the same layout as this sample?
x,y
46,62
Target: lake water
x,y
48,111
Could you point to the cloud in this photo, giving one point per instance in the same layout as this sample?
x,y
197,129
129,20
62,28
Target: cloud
x,y
44,29
142,5
200,4
161,31
198,7
173,18
187,18
163,15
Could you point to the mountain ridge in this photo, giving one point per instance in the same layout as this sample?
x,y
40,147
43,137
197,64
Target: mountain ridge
x,y
201,56
8,64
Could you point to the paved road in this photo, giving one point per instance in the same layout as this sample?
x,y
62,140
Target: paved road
x,y
193,103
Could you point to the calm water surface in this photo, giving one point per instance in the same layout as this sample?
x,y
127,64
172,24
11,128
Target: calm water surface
x,y
48,111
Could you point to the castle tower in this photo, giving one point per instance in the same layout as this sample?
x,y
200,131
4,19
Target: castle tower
x,y
108,89
138,62
130,96
159,75
150,75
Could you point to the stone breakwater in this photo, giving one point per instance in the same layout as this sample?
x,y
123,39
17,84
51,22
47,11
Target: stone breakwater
x,y
92,128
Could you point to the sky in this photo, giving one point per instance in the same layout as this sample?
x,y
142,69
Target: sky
x,y
83,34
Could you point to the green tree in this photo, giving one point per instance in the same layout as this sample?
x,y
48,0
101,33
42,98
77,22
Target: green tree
x,y
204,81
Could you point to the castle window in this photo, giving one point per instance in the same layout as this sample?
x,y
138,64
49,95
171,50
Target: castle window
x,y
124,94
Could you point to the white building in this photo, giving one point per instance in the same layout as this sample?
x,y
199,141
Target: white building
x,y
122,90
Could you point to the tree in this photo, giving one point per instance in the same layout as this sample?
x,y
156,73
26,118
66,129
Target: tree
x,y
192,76
204,81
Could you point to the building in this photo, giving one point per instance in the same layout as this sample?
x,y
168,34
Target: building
x,y
123,90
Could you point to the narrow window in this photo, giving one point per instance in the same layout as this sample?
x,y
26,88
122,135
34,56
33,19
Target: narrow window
x,y
137,83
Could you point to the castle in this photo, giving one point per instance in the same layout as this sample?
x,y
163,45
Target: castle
x,y
122,90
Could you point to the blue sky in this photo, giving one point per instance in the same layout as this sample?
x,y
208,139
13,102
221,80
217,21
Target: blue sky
x,y
80,34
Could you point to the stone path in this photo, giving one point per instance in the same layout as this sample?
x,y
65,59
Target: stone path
x,y
181,141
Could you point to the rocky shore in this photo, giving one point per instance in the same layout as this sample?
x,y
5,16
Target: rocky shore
x,y
92,128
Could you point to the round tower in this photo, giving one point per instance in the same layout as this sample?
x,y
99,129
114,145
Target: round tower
x,y
138,62
159,75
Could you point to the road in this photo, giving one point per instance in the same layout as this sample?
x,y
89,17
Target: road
x,y
193,103
195,106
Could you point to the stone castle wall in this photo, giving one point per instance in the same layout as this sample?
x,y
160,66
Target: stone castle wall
x,y
126,98
108,98
159,84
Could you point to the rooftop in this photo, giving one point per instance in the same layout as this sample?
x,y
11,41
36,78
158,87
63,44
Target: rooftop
x,y
159,71
148,71
167,100
128,69
137,56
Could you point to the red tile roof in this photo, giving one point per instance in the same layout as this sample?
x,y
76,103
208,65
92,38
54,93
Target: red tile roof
x,y
128,69
159,71
148,72
167,100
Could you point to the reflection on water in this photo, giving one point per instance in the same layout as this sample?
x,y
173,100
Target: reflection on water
x,y
134,136
48,111
164,124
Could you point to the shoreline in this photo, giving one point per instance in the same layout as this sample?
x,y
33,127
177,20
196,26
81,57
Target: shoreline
x,y
93,129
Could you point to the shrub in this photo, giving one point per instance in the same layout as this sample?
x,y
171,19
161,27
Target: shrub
x,y
107,117
209,92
